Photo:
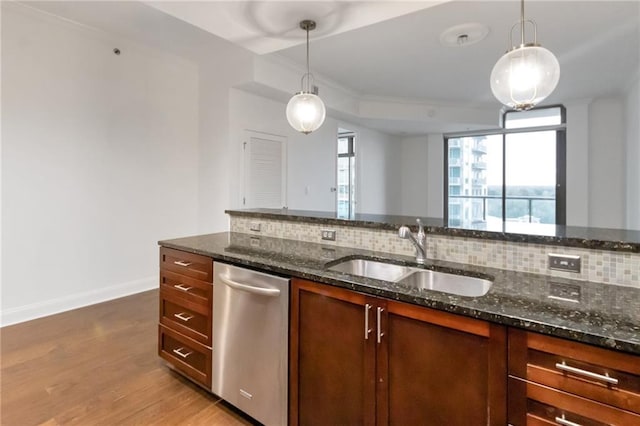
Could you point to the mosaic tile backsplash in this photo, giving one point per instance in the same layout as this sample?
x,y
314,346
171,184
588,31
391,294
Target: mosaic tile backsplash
x,y
600,266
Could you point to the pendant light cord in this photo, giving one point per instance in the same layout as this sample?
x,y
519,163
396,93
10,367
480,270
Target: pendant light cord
x,y
521,25
308,69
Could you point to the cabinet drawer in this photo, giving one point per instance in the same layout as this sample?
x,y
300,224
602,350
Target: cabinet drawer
x,y
189,264
191,319
542,405
190,289
185,355
544,414
603,375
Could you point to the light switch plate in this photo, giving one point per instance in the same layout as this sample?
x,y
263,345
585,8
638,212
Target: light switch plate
x,y
564,262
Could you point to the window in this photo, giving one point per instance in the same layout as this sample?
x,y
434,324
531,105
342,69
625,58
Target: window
x,y
346,175
514,174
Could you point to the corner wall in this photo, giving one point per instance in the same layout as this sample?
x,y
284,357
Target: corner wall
x,y
607,189
632,119
99,155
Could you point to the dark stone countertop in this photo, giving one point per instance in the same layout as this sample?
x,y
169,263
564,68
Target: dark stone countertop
x,y
606,316
622,240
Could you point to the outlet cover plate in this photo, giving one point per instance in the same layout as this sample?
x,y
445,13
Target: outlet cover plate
x,y
328,234
565,292
564,262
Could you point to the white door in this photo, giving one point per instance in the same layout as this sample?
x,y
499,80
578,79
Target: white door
x,y
265,170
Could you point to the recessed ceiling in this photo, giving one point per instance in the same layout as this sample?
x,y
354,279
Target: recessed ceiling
x,y
267,26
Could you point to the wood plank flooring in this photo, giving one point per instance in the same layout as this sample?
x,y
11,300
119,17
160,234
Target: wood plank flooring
x,y
99,366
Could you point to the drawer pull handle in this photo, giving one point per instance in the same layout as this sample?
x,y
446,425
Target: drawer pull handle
x,y
182,287
603,377
564,422
182,354
182,263
182,316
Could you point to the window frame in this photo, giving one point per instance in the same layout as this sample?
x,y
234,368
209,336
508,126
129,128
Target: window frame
x,y
351,153
561,160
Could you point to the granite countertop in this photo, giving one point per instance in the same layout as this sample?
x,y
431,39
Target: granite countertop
x,y
623,240
606,316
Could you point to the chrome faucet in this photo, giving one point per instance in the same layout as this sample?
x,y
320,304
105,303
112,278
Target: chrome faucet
x,y
419,241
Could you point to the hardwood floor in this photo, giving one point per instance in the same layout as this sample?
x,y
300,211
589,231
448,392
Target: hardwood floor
x,y
99,366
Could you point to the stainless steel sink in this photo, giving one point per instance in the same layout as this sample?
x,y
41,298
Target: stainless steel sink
x,y
411,277
372,269
447,283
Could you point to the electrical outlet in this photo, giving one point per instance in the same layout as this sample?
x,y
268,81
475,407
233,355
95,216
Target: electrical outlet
x,y
564,292
255,242
328,234
564,262
255,226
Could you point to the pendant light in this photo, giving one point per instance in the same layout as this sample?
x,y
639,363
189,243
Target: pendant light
x,y
305,110
526,74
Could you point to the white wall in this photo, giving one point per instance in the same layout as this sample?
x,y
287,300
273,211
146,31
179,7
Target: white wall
x,y
217,169
577,163
422,175
632,133
100,157
606,163
414,171
378,158
597,178
435,179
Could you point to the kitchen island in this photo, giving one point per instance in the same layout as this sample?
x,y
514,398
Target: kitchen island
x,y
509,339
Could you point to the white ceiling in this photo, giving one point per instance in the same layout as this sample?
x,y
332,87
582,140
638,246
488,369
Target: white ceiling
x,y
391,49
596,43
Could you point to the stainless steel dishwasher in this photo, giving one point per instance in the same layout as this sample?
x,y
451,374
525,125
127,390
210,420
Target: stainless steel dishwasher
x,y
250,342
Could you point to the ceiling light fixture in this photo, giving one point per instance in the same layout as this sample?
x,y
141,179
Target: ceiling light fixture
x,y
305,110
526,74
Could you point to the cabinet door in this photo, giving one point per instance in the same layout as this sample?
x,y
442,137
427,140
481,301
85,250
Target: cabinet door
x,y
443,369
332,362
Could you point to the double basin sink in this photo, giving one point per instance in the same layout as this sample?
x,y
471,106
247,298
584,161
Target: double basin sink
x,y
408,276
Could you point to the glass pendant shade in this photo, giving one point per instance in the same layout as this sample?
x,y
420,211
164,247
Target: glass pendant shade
x,y
306,112
525,76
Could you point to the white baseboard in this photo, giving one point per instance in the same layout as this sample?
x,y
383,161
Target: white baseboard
x,y
54,306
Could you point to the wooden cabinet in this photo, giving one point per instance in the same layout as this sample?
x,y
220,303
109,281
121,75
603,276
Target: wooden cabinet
x,y
358,359
186,303
556,381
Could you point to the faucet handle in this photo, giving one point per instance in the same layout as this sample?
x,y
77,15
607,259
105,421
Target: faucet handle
x,y
420,227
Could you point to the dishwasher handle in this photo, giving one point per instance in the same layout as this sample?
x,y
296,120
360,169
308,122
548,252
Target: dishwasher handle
x,y
271,292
